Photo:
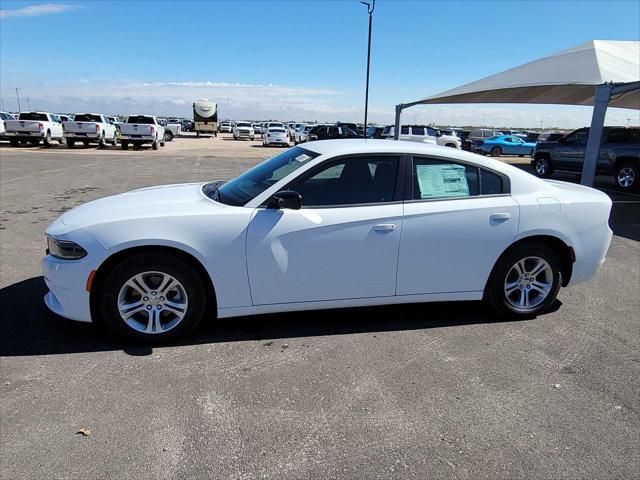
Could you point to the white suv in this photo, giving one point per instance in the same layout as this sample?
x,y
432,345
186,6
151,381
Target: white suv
x,y
243,130
422,134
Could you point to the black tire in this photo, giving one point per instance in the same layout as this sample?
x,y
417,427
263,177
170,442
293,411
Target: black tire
x,y
62,141
71,144
34,142
168,136
85,143
47,139
154,145
495,293
627,176
542,166
101,142
162,144
124,145
14,142
197,134
496,152
139,263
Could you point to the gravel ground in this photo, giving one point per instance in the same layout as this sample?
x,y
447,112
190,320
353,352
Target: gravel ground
x,y
412,391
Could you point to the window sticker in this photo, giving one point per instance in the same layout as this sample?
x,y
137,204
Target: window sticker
x,y
444,180
302,157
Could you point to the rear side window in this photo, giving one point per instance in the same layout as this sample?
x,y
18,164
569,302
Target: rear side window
x,y
490,183
404,130
417,130
442,179
624,135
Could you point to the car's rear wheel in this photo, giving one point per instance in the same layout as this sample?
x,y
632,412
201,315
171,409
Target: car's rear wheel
x,y
496,151
101,142
525,281
14,142
71,144
47,139
168,136
154,145
152,298
124,145
627,176
542,167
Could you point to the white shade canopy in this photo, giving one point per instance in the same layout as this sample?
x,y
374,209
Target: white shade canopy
x,y
567,77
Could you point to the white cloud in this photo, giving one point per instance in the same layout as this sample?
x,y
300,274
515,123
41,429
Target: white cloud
x,y
269,101
38,10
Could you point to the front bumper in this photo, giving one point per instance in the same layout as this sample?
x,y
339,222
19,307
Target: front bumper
x,y
66,281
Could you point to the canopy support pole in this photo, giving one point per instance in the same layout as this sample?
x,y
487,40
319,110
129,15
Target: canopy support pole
x,y
396,130
592,153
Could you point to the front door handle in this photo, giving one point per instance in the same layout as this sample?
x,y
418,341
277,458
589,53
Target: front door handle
x,y
384,227
499,218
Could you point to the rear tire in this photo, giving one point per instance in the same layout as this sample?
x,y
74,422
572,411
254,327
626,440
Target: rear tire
x,y
14,142
150,270
71,144
101,142
496,152
627,176
124,145
47,140
168,136
154,145
525,280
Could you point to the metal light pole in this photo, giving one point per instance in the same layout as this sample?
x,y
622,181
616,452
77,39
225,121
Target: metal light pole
x,y
370,8
18,97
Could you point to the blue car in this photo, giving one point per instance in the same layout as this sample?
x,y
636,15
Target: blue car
x,y
506,145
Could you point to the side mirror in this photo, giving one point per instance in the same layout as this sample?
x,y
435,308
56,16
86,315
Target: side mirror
x,y
286,199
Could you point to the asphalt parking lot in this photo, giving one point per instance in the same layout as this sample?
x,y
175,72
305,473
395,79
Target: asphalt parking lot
x,y
413,391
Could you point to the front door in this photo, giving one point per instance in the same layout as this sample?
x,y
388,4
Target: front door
x,y
342,244
459,220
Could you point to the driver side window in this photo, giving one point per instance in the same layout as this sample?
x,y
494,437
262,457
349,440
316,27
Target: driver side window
x,y
349,181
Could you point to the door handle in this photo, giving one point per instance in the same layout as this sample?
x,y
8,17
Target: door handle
x,y
499,217
384,227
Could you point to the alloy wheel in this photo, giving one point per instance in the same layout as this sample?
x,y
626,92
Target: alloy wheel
x,y
152,302
528,283
626,177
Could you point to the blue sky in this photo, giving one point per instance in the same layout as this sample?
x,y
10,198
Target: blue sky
x,y
292,59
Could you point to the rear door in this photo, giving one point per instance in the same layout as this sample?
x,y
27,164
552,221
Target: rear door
x,y
458,219
570,152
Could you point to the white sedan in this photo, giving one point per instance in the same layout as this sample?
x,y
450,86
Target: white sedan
x,y
338,223
275,136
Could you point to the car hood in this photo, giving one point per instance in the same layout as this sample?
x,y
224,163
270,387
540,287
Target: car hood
x,y
161,201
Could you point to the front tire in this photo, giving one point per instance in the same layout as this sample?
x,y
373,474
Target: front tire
x,y
152,298
525,281
627,176
542,166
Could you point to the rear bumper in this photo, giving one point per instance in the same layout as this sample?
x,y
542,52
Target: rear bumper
x,y
75,136
137,138
10,134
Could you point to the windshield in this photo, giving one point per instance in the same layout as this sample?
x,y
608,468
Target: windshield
x,y
276,130
253,182
84,117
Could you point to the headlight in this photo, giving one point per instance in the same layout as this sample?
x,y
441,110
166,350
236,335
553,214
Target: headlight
x,y
64,249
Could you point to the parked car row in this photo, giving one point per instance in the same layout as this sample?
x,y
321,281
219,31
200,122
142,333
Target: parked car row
x,y
86,128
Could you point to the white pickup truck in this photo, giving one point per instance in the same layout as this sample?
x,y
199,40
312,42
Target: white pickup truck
x,y
32,127
89,128
139,129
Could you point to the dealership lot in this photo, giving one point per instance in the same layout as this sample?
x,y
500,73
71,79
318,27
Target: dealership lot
x,y
428,390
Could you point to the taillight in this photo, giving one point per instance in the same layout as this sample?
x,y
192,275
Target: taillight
x,y
40,126
153,130
97,128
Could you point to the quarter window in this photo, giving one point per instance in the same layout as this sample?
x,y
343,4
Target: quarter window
x,y
349,181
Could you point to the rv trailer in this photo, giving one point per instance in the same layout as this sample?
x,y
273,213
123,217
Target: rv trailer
x,y
205,117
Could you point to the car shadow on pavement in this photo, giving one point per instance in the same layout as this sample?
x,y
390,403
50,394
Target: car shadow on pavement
x,y
32,329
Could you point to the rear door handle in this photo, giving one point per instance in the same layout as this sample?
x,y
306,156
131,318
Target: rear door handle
x,y
499,217
384,227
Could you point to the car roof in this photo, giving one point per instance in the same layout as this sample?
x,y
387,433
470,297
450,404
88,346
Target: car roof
x,y
358,146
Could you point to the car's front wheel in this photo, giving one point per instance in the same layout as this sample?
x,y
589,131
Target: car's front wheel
x,y
627,176
525,281
152,298
542,167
